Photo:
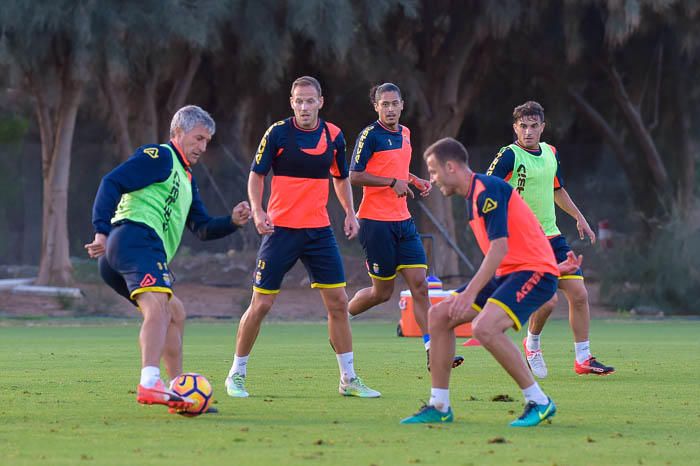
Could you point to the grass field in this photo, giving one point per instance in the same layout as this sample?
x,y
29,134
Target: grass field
x,y
67,397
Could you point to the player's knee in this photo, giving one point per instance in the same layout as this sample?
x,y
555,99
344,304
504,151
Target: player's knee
x,y
483,331
438,317
154,306
578,297
260,305
177,310
420,288
337,304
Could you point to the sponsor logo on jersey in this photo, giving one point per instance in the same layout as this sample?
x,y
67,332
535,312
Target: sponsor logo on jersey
x,y
522,176
170,200
361,143
489,205
147,280
152,152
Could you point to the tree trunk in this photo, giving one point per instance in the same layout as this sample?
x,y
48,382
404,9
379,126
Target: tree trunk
x,y
445,258
181,88
150,110
636,125
55,267
686,165
43,117
444,98
238,145
119,116
642,198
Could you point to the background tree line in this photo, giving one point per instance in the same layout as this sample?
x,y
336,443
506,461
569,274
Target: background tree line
x,y
87,81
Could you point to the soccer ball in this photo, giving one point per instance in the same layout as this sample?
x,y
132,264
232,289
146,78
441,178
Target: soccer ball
x,y
196,387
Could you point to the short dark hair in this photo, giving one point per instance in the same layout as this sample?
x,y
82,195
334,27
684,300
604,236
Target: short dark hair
x,y
447,149
306,81
376,92
529,108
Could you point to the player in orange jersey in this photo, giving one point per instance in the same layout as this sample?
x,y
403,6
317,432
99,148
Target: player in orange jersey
x,y
517,276
380,164
303,151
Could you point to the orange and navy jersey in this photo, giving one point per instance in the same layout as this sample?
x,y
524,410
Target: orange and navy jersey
x,y
504,164
494,212
383,152
301,161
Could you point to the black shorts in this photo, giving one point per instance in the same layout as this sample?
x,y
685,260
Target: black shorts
x,y
561,247
391,246
279,251
519,294
135,261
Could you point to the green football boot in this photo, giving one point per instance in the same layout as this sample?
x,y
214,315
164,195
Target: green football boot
x,y
534,414
235,386
429,415
356,387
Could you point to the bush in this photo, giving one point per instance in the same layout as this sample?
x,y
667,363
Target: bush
x,y
663,273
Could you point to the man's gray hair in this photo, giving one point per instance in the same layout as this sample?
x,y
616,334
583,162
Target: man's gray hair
x,y
190,116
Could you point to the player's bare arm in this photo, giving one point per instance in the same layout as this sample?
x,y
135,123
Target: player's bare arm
x,y
400,187
564,201
344,192
462,303
256,184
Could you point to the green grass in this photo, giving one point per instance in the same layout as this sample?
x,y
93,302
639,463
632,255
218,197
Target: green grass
x,y
67,397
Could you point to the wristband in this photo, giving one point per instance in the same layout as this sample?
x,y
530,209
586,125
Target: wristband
x,y
393,182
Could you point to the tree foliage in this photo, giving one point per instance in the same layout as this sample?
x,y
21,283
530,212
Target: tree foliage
x,y
620,71
642,52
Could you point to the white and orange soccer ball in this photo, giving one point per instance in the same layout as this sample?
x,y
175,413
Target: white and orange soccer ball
x,y
195,387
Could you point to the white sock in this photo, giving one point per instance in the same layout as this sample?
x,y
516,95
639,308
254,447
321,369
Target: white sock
x,y
239,366
440,398
535,393
583,351
150,376
533,341
346,366
427,345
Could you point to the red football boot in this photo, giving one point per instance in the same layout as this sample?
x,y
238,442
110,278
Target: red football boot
x,y
160,395
592,366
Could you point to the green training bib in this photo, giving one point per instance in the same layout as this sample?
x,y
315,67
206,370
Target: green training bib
x,y
533,178
162,206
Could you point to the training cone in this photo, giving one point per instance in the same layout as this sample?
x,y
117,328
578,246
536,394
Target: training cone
x,y
471,342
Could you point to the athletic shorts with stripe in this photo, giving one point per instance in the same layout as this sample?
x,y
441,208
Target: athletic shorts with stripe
x,y
135,261
561,247
519,294
279,251
391,246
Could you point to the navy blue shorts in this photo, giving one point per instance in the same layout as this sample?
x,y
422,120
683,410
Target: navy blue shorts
x,y
519,294
135,261
561,248
279,251
390,247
